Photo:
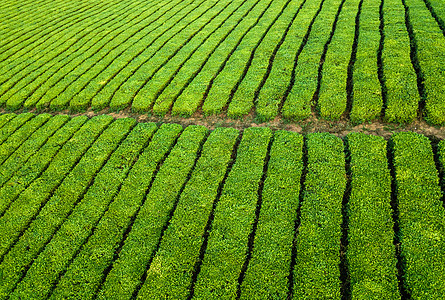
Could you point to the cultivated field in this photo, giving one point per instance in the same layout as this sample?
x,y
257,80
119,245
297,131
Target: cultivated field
x,y
115,209
355,59
93,207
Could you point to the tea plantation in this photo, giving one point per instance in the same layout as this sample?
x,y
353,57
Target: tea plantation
x,y
115,209
356,59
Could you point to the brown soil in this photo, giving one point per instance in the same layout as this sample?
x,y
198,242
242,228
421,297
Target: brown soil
x,y
313,124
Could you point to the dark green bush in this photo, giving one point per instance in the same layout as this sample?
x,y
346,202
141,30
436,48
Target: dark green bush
x,y
275,87
55,210
429,40
367,98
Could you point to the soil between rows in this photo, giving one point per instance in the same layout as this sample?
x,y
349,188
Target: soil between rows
x,y
339,128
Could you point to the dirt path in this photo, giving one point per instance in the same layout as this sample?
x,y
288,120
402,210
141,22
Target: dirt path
x,y
340,128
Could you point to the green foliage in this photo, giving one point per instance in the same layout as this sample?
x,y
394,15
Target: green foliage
x,y
55,211
226,81
30,146
275,87
299,101
54,62
166,63
438,9
429,40
105,209
44,87
34,167
118,70
172,268
93,73
90,51
233,219
83,276
37,29
367,92
371,253
5,118
11,126
140,245
190,99
196,62
421,215
31,62
268,270
316,271
402,95
224,56
165,55
20,43
243,98
28,203
77,228
332,98
21,135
